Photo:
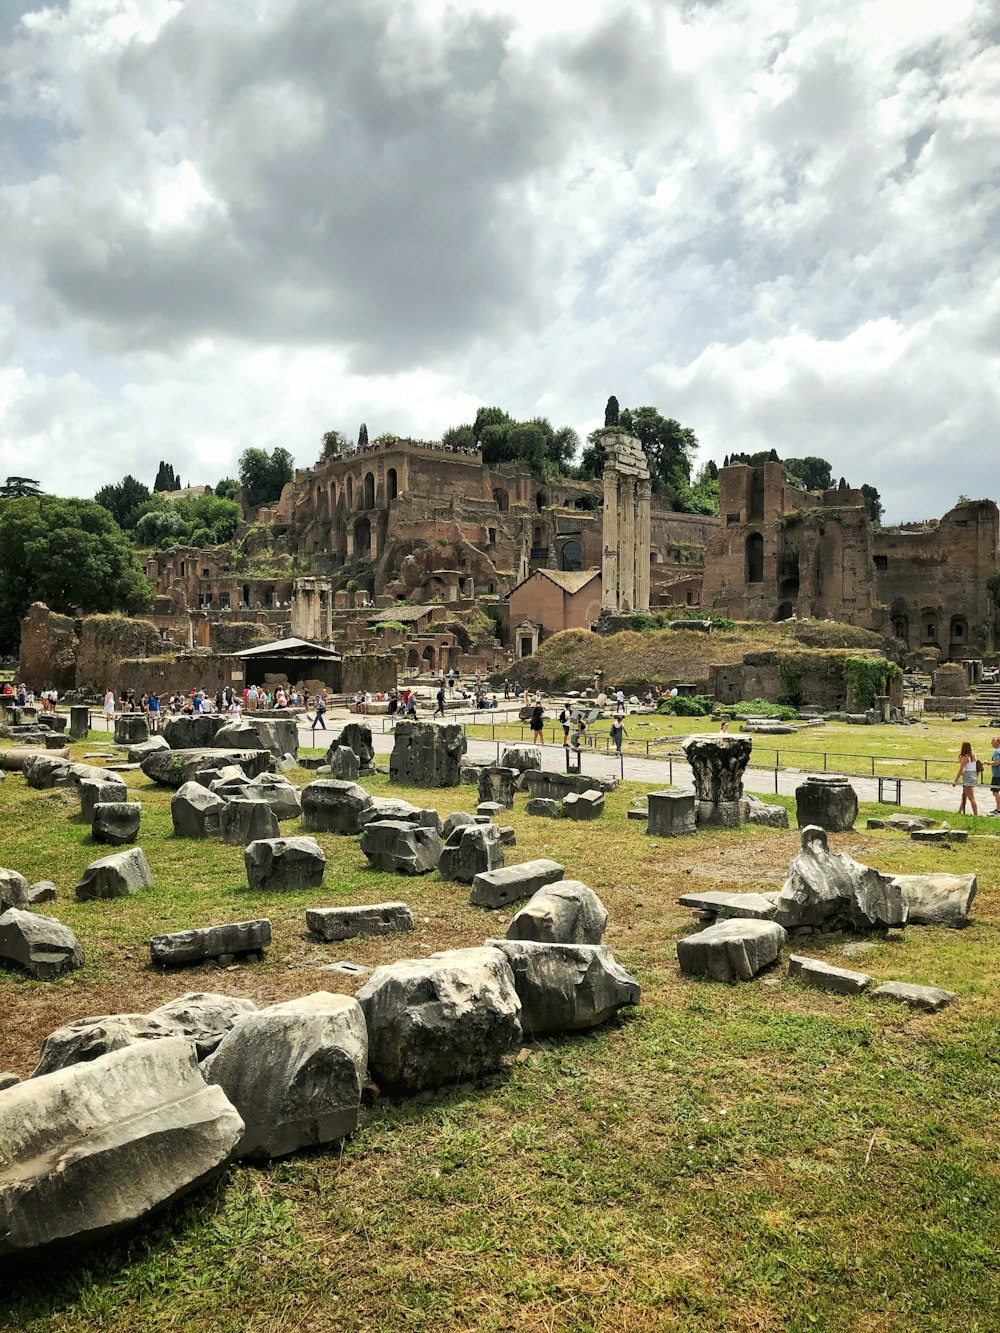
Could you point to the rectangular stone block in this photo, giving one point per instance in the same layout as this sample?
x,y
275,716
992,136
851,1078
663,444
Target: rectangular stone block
x,y
671,813
824,976
497,888
928,998
343,923
750,906
192,946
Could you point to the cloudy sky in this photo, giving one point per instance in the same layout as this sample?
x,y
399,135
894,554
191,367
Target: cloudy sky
x,y
236,222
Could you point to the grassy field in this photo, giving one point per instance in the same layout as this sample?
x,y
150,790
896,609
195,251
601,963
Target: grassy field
x,y
756,1157
897,751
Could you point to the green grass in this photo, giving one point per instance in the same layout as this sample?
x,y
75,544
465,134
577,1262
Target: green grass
x,y
756,1157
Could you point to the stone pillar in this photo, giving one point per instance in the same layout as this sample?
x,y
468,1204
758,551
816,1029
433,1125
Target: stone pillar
x,y
642,547
79,722
609,569
717,764
626,577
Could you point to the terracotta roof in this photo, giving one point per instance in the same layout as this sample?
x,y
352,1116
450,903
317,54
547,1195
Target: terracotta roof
x,y
402,613
570,580
287,647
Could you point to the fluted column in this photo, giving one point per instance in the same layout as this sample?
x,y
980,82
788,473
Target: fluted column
x,y
643,547
609,566
626,581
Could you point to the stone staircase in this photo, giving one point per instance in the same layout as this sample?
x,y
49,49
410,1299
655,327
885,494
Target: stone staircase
x,y
985,702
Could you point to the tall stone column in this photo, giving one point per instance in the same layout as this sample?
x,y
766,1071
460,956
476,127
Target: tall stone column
x,y
626,578
609,564
643,543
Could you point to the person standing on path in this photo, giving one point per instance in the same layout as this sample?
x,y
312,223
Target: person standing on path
x,y
565,718
537,719
440,701
318,715
995,774
109,707
969,769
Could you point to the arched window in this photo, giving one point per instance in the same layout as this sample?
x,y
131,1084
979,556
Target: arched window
x,y
755,558
501,499
391,484
571,556
429,657
541,500
362,539
959,630
901,628
369,491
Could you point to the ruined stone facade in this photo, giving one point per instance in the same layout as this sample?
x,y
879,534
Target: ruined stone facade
x,y
626,525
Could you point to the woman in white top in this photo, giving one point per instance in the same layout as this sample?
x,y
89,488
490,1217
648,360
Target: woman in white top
x,y
968,775
109,704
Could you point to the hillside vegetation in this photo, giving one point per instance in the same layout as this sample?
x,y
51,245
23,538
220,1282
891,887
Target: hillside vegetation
x,y
636,659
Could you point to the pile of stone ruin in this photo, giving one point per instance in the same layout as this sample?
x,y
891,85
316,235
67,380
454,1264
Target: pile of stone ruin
x,y
126,1112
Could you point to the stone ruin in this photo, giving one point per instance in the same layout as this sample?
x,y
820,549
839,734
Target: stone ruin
x,y
425,754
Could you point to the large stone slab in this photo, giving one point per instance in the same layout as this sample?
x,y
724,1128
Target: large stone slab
x,y
93,1148
194,946
827,801
547,785
193,731
824,976
100,792
497,888
116,822
279,735
331,806
750,906
44,771
280,864
431,1020
196,812
929,999
754,811
172,768
38,944
294,1072
408,849
824,888
137,753
115,876
937,899
566,912
471,850
332,924
245,821
202,1016
566,987
583,805
425,754
731,950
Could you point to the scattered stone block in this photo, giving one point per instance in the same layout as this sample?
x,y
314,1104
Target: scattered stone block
x,y
671,813
332,806
331,924
343,763
544,807
583,804
936,899
491,808
40,945
497,888
294,1072
470,851
824,976
945,835
508,835
754,811
425,754
566,987
282,864
79,722
116,822
901,823
555,786
13,890
281,795
392,807
115,876
196,812
195,946
498,786
356,737
202,1017
95,1147
280,735
827,801
43,771
137,753
566,912
432,1020
469,774
131,729
927,998
457,820
827,889
172,768
731,950
640,816
245,821
522,757
94,793
748,906
42,892
407,849
192,731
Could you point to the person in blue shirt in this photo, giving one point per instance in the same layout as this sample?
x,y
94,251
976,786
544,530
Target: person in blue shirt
x,y
995,774
153,709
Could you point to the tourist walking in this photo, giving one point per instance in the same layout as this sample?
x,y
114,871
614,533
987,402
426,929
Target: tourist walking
x,y
618,733
537,719
109,707
565,718
440,701
319,713
969,769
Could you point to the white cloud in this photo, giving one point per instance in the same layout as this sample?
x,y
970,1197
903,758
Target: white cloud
x,y
775,219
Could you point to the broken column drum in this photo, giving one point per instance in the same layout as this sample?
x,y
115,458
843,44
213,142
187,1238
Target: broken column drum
x,y
717,766
828,801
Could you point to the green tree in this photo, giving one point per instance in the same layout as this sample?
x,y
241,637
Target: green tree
x,y
670,447
873,503
264,475
363,436
16,488
611,411
166,478
334,444
460,437
69,554
226,488
814,473
702,496
124,500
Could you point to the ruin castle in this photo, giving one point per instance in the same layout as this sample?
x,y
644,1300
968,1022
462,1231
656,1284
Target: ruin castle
x,y
432,556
